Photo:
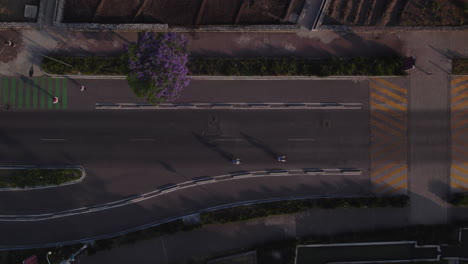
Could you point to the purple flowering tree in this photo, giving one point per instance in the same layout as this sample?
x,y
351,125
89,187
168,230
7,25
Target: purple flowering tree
x,y
157,66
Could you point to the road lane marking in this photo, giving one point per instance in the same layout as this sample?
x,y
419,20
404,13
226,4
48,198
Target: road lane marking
x,y
460,178
401,187
389,120
392,183
53,139
459,97
458,186
461,105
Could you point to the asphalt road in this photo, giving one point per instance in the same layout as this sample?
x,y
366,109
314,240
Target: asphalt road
x,y
133,152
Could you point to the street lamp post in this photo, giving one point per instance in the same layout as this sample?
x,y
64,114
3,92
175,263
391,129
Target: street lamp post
x,y
47,256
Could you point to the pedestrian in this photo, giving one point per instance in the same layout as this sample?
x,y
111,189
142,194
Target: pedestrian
x,y
55,100
9,43
82,88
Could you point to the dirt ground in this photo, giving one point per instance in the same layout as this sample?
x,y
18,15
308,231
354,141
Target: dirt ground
x,y
182,12
13,11
396,12
8,53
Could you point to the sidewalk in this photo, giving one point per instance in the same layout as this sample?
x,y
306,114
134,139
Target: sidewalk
x,y
32,44
216,239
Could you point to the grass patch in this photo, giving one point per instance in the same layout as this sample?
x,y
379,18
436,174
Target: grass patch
x,y
373,66
11,178
242,213
460,66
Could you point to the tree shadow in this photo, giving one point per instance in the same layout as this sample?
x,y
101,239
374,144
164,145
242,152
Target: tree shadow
x,y
261,145
226,155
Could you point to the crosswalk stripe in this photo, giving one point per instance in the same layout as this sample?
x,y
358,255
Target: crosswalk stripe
x,y
27,91
387,101
44,96
391,85
459,124
401,187
459,97
384,168
391,148
20,93
35,92
13,92
64,92
392,183
51,94
458,114
386,128
390,174
389,120
388,93
458,80
458,177
459,88
5,91
394,156
458,186
458,168
389,111
460,105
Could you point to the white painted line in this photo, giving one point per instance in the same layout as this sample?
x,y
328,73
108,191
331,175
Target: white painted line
x,y
301,139
142,139
53,139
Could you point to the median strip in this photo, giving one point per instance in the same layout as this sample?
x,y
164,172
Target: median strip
x,y
27,178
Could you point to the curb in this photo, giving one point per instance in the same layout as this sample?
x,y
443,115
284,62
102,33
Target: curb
x,y
175,187
227,78
167,220
24,167
221,105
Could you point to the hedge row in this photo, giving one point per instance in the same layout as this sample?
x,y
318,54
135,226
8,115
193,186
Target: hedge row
x,y
86,65
460,66
460,199
293,206
236,67
37,177
297,66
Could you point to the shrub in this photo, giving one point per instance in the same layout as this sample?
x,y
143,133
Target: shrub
x,y
157,66
460,66
460,199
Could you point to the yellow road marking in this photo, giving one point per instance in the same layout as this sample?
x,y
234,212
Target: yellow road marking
x,y
463,170
458,177
375,163
389,175
391,85
393,182
387,92
459,186
458,80
388,110
459,151
386,167
388,120
391,148
459,97
461,105
403,186
460,132
459,88
387,101
385,128
459,124
458,114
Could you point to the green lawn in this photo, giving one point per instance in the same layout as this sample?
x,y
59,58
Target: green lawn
x,y
11,178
